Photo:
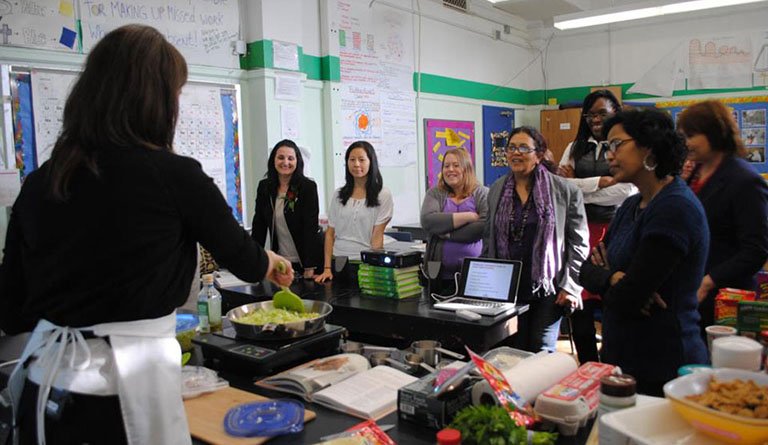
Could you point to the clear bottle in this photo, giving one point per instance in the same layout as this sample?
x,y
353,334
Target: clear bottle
x,y
211,299
202,310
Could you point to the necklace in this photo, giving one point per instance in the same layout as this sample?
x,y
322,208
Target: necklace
x,y
516,232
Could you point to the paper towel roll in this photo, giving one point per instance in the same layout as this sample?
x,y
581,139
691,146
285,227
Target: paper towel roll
x,y
530,377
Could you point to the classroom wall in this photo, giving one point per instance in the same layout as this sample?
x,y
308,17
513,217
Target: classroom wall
x,y
624,52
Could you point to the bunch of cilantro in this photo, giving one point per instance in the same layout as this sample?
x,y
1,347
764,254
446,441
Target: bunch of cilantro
x,y
492,425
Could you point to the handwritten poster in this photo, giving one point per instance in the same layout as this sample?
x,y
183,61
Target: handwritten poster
x,y
442,135
720,62
203,30
48,24
377,99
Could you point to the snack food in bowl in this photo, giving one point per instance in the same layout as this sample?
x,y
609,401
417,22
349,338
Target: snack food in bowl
x,y
690,395
186,327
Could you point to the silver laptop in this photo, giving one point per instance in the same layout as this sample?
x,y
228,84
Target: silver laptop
x,y
488,287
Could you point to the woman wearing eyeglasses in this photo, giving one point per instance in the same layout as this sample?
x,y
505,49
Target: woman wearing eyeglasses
x,y
585,165
735,199
652,259
538,218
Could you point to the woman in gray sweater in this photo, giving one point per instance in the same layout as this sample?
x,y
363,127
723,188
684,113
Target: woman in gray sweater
x,y
454,214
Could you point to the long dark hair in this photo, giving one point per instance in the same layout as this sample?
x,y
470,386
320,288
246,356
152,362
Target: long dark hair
x,y
126,98
539,142
373,183
272,176
579,147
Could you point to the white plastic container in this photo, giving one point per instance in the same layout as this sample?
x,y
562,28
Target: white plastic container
x,y
574,400
736,352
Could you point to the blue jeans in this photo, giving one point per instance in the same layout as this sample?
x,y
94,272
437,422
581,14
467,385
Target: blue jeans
x,y
538,329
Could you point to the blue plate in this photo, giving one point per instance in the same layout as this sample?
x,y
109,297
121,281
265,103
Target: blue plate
x,y
270,418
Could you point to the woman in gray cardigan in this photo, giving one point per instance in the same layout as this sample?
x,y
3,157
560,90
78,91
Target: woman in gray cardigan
x,y
539,219
454,214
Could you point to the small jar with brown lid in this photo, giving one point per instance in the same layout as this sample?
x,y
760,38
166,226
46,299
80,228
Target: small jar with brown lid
x,y
616,392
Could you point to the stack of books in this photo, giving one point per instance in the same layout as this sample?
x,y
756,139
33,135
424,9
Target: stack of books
x,y
389,282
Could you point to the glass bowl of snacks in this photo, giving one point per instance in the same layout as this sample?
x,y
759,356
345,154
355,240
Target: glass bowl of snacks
x,y
728,404
186,327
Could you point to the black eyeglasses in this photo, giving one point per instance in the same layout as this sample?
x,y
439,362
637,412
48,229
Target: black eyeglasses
x,y
523,149
616,143
603,115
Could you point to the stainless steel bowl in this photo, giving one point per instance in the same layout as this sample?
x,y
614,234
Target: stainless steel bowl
x,y
279,331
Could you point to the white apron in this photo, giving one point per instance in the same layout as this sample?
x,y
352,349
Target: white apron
x,y
143,367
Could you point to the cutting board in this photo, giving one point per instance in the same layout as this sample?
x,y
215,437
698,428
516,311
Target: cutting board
x,y
205,415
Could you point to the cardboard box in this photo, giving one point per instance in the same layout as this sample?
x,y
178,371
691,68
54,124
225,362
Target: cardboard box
x,y
762,285
752,318
416,403
727,305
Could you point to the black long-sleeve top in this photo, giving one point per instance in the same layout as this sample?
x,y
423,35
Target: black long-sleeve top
x,y
121,247
301,221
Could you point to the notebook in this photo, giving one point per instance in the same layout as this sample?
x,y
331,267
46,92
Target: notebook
x,y
488,287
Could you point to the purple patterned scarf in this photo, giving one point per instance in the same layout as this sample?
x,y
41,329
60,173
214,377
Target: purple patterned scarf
x,y
543,259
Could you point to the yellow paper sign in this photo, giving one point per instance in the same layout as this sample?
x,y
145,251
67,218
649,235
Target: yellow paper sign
x,y
65,8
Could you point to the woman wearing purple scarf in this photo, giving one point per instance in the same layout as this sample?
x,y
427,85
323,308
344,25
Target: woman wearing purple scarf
x,y
539,219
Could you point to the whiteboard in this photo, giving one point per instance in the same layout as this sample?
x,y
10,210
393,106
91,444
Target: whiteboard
x,y
48,24
202,30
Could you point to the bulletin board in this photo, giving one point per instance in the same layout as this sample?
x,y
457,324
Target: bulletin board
x,y
207,128
442,135
750,115
498,123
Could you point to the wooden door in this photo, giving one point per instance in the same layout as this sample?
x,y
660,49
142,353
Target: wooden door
x,y
559,127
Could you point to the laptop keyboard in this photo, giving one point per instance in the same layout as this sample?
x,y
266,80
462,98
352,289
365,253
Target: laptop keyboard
x,y
470,302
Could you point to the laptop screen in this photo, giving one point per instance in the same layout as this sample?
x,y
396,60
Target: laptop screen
x,y
490,279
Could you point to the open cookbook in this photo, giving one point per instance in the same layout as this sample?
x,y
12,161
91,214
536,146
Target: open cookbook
x,y
343,382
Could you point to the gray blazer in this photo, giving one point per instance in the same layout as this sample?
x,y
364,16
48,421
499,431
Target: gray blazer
x,y
439,225
571,232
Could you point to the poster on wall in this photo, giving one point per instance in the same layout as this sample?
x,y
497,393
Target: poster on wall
x,y
749,113
443,135
376,67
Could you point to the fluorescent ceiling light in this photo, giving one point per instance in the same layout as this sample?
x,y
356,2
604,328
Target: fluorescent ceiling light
x,y
639,11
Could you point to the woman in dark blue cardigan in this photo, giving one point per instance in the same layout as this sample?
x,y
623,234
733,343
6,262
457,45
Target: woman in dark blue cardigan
x,y
735,199
652,260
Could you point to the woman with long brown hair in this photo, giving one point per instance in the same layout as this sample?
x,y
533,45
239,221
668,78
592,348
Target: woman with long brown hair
x,y
454,214
101,250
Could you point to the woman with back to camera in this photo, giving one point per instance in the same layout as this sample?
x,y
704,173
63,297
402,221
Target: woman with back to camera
x,y
100,251
454,214
287,207
585,165
359,211
538,218
652,260
735,200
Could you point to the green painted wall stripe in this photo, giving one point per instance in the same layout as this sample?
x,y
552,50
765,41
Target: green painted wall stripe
x,y
331,68
431,83
328,68
258,55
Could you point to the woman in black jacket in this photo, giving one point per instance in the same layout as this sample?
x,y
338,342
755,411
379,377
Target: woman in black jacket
x,y
734,197
287,206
